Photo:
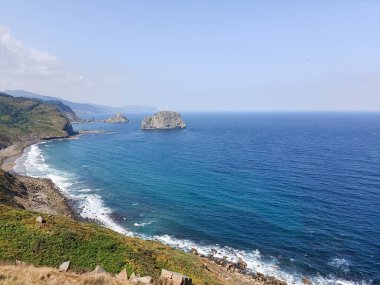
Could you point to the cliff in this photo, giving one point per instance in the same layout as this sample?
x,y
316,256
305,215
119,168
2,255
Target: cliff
x,y
30,120
163,120
34,194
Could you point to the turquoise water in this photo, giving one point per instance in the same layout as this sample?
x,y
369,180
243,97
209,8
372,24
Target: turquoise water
x,y
292,194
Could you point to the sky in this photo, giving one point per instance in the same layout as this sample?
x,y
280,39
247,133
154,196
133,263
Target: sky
x,y
209,55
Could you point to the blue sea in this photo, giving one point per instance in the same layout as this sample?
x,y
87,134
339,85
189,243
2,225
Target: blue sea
x,y
293,194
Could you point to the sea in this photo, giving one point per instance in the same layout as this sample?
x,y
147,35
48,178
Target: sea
x,y
292,194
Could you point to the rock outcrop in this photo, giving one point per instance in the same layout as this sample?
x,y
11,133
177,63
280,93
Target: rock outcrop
x,y
173,278
117,118
64,266
163,120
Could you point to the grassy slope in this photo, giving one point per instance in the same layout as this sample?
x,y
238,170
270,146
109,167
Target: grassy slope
x,y
86,245
22,119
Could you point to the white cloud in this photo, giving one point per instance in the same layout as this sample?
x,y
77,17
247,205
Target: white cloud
x,y
20,61
22,67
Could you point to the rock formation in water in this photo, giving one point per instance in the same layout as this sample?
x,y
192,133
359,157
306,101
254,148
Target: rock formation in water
x,y
117,118
163,120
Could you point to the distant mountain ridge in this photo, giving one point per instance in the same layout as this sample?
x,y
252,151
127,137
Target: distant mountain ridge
x,y
85,110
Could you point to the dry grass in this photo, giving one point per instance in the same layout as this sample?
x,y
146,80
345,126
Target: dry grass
x,y
30,275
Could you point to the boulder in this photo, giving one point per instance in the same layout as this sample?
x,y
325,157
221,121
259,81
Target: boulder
x,y
123,275
166,274
141,280
98,269
163,120
194,251
173,278
64,266
19,262
241,263
260,276
306,281
40,220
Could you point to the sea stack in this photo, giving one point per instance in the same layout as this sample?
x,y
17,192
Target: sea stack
x,y
163,120
117,118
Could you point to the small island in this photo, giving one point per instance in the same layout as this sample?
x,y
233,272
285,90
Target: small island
x,y
163,120
117,118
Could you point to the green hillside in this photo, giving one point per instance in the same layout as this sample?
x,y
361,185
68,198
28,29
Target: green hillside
x,y
26,119
86,245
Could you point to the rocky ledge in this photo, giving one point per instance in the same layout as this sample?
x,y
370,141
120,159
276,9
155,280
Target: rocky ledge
x,y
117,118
163,120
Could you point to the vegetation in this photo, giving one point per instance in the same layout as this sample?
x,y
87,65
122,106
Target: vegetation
x,y
24,119
10,275
87,245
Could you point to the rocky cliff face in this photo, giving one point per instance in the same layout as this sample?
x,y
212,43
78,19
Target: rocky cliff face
x,y
117,118
163,120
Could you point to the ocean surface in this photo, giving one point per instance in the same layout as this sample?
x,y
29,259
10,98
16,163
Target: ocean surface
x,y
293,194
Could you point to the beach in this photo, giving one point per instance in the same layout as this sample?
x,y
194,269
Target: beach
x,y
35,194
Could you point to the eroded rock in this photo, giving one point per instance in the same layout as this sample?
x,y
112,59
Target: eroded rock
x,y
117,118
173,278
98,269
64,266
123,275
40,220
163,120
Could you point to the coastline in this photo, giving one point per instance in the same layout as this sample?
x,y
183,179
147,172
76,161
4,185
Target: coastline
x,y
216,260
46,197
9,155
36,194
43,195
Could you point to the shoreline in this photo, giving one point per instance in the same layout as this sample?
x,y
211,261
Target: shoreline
x,y
236,272
9,155
47,186
37,194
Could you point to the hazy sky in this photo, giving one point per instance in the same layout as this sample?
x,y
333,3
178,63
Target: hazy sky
x,y
195,55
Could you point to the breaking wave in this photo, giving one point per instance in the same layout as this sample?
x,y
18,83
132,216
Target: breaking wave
x,y
90,205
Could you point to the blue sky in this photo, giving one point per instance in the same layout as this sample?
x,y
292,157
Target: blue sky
x,y
195,55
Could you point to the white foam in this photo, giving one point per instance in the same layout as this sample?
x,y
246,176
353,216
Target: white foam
x,y
255,261
91,206
340,263
143,224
